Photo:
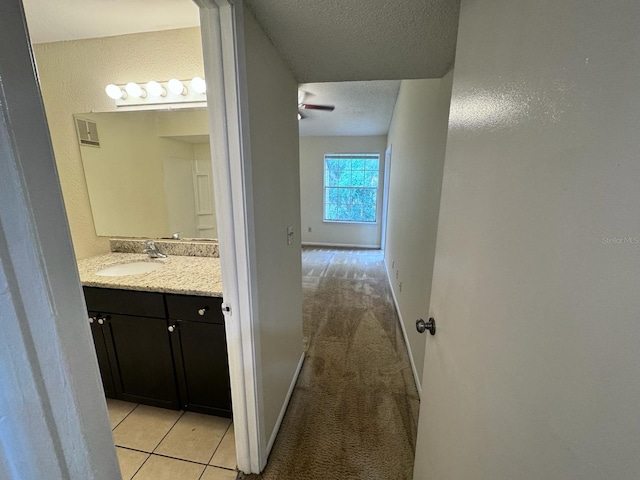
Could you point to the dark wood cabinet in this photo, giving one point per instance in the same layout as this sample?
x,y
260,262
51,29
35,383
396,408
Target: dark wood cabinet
x,y
163,350
97,332
140,351
200,356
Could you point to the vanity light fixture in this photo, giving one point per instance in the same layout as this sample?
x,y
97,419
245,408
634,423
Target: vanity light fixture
x,y
177,87
135,90
115,92
148,96
155,89
199,85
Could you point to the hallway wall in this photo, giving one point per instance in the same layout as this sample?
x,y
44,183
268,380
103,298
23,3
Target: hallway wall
x,y
535,370
312,151
417,137
276,204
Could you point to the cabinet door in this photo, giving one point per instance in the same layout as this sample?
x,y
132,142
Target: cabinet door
x,y
103,358
200,355
140,352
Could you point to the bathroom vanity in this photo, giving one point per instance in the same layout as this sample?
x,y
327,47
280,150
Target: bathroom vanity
x,y
160,336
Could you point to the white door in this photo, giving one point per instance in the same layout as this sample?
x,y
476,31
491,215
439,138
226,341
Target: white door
x,y
178,188
534,372
203,193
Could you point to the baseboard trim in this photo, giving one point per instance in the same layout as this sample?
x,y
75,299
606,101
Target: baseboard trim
x,y
343,245
276,429
404,332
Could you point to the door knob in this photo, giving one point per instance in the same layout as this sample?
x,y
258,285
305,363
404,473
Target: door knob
x,y
430,325
171,328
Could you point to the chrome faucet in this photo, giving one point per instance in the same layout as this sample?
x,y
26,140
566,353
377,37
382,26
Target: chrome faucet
x,y
152,250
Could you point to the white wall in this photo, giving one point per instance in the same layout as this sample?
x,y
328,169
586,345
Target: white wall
x,y
312,151
73,75
272,94
535,370
417,137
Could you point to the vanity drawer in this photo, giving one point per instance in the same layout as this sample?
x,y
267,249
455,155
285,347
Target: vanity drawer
x,y
195,308
125,302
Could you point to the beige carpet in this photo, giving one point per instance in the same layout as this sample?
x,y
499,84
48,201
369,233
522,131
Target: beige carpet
x,y
354,411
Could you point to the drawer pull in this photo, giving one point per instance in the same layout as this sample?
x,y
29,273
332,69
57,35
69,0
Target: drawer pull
x,y
202,311
100,321
172,328
92,319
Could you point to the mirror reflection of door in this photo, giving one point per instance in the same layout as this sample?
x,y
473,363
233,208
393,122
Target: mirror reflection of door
x,y
178,188
206,226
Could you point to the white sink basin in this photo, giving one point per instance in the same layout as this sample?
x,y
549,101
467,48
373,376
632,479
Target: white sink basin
x,y
129,269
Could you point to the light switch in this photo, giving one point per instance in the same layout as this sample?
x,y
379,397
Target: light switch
x,y
289,234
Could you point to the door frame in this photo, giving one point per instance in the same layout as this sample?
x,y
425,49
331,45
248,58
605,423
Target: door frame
x,y
222,32
54,414
47,352
385,196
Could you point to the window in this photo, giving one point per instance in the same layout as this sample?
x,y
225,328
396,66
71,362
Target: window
x,y
351,187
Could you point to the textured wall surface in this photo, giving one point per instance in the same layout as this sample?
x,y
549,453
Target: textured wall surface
x,y
417,138
312,151
535,370
73,76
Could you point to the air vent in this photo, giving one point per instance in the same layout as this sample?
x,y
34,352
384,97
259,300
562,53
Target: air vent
x,y
87,132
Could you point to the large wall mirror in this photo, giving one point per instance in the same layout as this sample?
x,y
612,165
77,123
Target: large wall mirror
x,y
148,173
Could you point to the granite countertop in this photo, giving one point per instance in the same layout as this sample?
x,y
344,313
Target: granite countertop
x,y
181,274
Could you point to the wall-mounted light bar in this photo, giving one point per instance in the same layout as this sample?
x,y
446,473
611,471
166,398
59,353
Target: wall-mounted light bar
x,y
181,93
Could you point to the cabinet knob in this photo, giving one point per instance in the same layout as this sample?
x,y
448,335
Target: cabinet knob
x,y
92,319
202,311
100,321
171,328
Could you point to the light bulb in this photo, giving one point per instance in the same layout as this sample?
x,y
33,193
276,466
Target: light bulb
x,y
115,92
176,87
155,89
198,84
135,90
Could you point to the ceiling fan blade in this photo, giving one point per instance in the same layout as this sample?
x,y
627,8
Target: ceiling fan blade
x,y
309,106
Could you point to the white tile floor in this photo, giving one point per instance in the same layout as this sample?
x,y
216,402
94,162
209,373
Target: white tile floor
x,y
157,444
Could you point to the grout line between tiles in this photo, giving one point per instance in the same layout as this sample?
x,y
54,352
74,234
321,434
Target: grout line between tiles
x,y
125,417
168,431
219,443
145,461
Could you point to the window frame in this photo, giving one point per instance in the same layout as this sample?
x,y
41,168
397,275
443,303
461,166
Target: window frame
x,y
346,155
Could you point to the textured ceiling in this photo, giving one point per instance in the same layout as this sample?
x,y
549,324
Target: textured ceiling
x,y
362,108
341,40
53,21
321,40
